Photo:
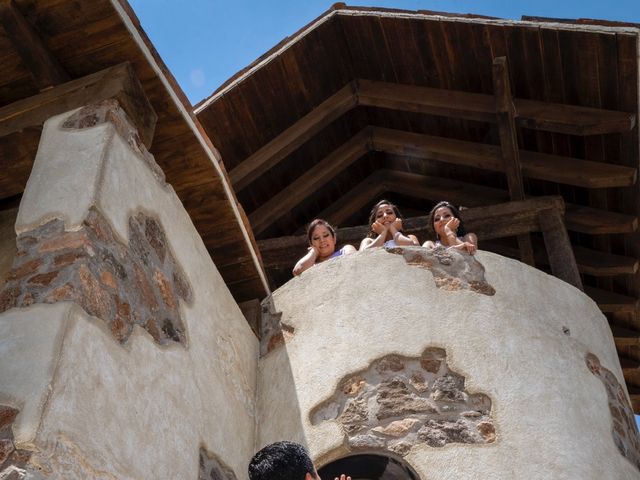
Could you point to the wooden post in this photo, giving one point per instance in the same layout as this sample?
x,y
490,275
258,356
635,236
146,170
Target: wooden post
x,y
556,240
505,114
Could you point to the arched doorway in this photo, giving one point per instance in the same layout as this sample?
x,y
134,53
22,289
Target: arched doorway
x,y
369,467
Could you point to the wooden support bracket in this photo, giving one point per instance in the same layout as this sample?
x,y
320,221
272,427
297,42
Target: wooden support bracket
x,y
556,240
119,82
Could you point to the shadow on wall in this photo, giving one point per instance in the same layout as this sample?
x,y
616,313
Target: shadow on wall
x,y
279,414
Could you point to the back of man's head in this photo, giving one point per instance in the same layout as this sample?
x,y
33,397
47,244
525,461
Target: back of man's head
x,y
282,461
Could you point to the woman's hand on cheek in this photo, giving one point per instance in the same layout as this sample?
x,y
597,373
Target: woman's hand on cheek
x,y
378,227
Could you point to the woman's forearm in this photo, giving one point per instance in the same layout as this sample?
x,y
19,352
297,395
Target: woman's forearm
x,y
305,263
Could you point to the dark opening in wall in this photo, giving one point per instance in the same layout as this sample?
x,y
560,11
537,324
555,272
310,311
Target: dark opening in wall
x,y
369,467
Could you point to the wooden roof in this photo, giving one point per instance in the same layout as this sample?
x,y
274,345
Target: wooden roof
x,y
365,103
65,39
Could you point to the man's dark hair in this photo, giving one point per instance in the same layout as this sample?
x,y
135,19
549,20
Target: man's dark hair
x,y
281,461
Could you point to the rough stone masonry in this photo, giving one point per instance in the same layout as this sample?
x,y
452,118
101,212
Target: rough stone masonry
x,y
399,402
139,284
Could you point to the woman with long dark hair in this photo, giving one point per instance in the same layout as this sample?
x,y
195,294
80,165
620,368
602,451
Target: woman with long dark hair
x,y
322,246
385,222
445,223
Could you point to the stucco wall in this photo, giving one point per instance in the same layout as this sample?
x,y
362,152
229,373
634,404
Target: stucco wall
x,y
91,407
524,347
7,241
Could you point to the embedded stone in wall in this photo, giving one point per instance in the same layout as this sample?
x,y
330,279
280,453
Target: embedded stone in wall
x,y
123,285
13,461
452,270
273,333
624,430
211,468
399,402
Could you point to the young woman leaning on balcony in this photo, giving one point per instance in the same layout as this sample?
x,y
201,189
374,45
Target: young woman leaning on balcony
x,y
446,223
385,222
322,246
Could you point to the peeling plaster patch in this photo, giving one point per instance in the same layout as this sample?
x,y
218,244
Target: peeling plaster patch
x,y
109,111
399,402
211,468
273,333
625,430
451,269
139,284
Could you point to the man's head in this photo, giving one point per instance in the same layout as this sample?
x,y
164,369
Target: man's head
x,y
282,461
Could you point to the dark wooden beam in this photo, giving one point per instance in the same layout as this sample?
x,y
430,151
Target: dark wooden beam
x,y
356,199
556,240
505,115
430,101
595,221
118,82
552,117
553,168
611,302
43,66
309,182
294,136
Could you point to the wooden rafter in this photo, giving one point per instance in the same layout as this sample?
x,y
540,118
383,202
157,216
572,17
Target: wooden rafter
x,y
289,140
553,168
505,115
540,166
43,66
312,180
552,117
119,82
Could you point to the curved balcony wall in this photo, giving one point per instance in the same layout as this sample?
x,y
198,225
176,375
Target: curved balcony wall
x,y
462,369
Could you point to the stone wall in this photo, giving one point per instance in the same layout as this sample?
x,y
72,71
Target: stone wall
x,y
122,350
400,402
124,285
510,397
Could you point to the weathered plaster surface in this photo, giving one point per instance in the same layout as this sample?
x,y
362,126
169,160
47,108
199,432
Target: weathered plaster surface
x,y
90,406
7,241
551,415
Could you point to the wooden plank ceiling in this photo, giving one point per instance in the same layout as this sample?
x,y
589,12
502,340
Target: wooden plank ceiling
x,y
47,42
366,103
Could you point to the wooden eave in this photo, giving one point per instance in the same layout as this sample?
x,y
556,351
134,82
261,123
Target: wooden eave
x,y
77,39
365,103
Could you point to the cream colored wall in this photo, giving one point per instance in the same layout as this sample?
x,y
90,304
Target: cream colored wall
x,y
551,414
7,241
95,408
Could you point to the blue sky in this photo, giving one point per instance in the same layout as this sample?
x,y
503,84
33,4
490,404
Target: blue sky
x,y
204,42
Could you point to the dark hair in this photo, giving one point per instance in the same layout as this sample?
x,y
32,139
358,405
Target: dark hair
x,y
318,221
462,231
281,461
374,210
